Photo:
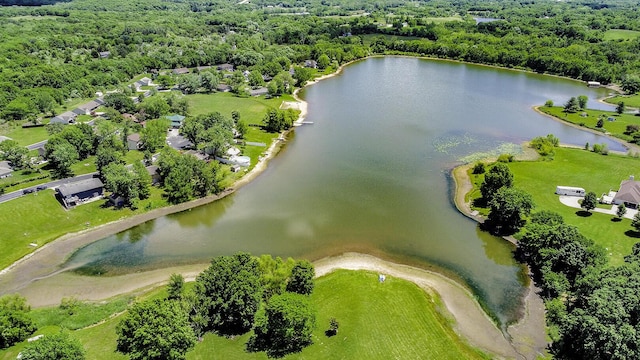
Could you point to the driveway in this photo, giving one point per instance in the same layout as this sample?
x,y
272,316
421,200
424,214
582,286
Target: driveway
x,y
573,201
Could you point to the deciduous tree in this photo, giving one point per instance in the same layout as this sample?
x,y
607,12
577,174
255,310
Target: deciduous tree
x,y
508,207
590,201
302,278
230,291
155,330
285,327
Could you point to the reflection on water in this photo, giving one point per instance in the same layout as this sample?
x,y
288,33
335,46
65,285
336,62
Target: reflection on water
x,y
371,175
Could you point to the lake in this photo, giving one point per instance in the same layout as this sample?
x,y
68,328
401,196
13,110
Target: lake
x,y
372,174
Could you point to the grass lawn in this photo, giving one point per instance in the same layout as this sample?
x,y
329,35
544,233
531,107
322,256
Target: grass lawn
x,y
593,172
629,100
251,109
24,136
616,127
620,34
372,326
42,219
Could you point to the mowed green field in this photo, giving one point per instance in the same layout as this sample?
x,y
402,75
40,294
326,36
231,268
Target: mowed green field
x,y
391,320
616,127
629,100
620,34
593,172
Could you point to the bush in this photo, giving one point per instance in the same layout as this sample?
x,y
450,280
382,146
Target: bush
x,y
548,103
505,158
478,168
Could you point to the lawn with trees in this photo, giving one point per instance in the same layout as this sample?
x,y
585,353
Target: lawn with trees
x,y
362,308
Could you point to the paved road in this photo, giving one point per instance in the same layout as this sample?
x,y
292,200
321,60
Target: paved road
x,y
49,185
573,201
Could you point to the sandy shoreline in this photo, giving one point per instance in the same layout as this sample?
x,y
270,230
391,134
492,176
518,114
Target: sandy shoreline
x,y
471,321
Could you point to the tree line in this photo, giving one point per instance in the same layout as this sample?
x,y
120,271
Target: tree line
x,y
46,62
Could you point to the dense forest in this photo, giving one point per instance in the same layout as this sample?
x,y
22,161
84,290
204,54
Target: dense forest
x,y
72,49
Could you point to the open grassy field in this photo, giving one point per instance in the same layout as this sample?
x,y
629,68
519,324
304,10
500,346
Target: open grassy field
x,y
390,320
24,136
251,109
621,34
615,128
629,100
593,172
42,219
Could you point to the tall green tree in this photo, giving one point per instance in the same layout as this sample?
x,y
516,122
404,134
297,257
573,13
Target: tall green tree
x,y
230,291
154,134
620,108
155,330
286,326
497,177
302,278
508,207
572,105
61,158
15,322
590,201
582,101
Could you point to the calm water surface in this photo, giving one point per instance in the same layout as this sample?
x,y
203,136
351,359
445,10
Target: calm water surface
x,y
370,175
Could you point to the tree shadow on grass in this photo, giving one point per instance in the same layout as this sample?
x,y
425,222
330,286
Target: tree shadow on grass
x,y
583,213
633,234
616,219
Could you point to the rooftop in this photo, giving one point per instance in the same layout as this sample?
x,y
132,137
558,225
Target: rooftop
x,y
77,187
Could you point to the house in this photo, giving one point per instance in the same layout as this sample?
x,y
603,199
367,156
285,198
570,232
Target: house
x,y
311,64
180,71
155,176
593,84
570,191
223,88
176,120
80,111
65,118
629,193
134,142
225,67
104,54
5,169
202,68
259,91
72,194
145,81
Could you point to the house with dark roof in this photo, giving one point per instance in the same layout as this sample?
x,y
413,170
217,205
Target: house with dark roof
x,y
75,193
67,117
176,120
225,67
180,71
629,193
259,91
134,142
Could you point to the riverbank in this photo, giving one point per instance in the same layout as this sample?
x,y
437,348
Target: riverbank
x,y
528,335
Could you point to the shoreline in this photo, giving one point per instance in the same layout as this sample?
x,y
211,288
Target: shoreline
x,y
628,146
528,335
56,251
